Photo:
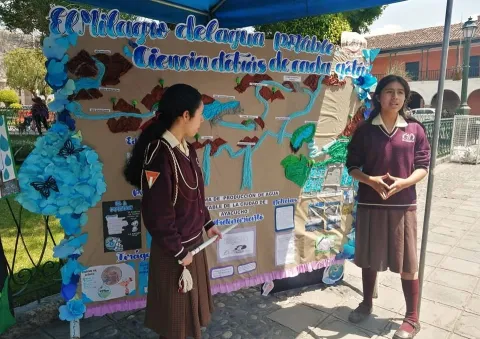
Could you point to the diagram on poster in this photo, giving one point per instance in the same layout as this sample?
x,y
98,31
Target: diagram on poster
x,y
122,225
100,283
237,244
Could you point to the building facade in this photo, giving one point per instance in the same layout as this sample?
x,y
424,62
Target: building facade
x,y
418,52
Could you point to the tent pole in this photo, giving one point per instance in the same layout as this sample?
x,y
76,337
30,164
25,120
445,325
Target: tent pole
x,y
434,145
183,8
217,6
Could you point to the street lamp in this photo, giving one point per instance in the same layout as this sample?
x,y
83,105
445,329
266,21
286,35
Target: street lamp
x,y
469,28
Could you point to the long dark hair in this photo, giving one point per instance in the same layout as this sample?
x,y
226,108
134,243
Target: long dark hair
x,y
175,101
384,82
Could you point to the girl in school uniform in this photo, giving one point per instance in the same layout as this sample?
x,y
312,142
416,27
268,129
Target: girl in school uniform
x,y
165,166
388,154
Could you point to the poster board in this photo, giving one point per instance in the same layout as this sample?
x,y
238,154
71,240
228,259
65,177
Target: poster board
x,y
8,172
278,114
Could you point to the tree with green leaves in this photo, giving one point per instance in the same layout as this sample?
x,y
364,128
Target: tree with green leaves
x,y
25,69
328,26
32,15
8,97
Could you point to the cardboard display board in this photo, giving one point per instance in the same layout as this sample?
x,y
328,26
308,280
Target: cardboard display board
x,y
278,114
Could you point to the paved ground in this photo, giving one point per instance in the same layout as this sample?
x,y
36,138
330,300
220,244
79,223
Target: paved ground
x,y
450,306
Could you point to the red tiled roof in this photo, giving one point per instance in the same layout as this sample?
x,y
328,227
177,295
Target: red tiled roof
x,y
418,37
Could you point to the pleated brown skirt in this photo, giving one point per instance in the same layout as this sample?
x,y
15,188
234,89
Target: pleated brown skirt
x,y
172,314
386,239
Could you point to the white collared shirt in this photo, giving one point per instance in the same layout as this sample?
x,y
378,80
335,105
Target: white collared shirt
x,y
173,141
400,122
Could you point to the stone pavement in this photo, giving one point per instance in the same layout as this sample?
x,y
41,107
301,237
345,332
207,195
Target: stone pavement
x,y
451,299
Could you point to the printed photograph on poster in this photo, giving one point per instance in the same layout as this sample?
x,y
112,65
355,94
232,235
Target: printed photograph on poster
x,y
333,215
237,244
285,249
324,244
122,225
143,268
221,272
101,283
348,197
333,177
284,218
321,214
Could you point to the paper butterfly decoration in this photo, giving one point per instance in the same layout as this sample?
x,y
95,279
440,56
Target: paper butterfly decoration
x,y
68,149
45,187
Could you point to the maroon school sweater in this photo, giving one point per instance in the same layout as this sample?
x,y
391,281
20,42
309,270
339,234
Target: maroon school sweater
x,y
173,228
376,152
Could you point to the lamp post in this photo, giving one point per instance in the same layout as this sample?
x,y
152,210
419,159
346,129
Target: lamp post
x,y
469,28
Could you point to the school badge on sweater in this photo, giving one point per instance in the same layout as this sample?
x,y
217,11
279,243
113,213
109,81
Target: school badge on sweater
x,y
151,177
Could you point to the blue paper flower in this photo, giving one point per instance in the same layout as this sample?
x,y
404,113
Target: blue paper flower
x,y
57,76
68,291
73,310
56,46
69,246
79,178
72,267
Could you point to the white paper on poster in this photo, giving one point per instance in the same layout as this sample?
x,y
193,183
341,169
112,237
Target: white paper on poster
x,y
247,267
222,272
100,283
236,245
285,249
284,218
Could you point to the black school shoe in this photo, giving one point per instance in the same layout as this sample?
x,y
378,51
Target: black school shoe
x,y
401,334
359,314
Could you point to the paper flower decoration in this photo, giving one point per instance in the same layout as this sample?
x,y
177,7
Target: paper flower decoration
x,y
70,246
56,46
57,76
71,268
73,310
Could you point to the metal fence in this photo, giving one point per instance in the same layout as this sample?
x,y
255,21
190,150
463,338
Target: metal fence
x,y
21,122
32,275
446,132
465,145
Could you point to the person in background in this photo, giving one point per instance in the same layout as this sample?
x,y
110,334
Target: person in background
x,y
388,154
166,168
40,114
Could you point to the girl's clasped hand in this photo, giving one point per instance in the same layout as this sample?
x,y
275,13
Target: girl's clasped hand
x,y
383,188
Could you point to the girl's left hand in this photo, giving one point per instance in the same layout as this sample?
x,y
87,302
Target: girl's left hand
x,y
398,185
213,232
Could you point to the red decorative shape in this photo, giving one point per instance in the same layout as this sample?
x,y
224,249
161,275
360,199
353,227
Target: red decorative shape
x,y
290,85
150,99
123,124
312,81
123,106
259,121
248,139
354,122
244,83
277,95
266,93
333,80
216,144
207,99
115,67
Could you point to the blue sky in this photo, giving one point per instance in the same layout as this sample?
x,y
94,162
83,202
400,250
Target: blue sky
x,y
414,14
